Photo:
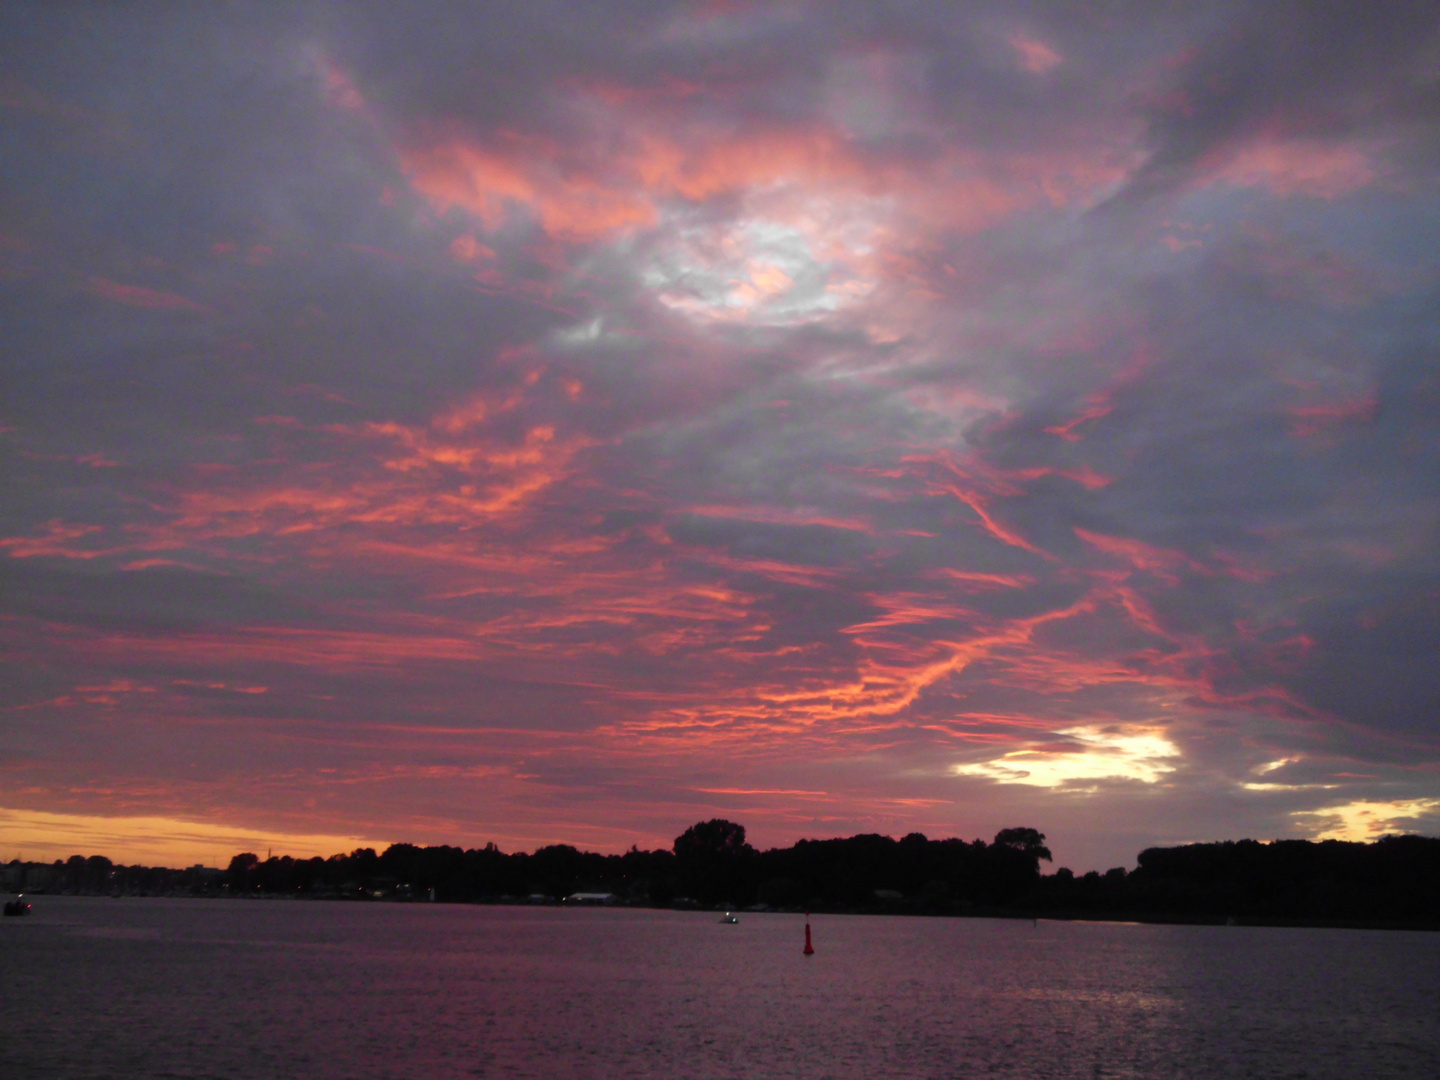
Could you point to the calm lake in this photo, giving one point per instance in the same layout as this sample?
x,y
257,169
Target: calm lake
x,y
196,988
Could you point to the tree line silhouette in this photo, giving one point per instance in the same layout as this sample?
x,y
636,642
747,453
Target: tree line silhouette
x,y
1394,880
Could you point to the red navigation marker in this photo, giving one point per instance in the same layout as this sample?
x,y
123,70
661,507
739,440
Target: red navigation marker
x,y
809,949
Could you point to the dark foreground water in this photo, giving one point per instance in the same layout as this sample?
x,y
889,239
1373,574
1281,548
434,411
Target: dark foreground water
x,y
182,988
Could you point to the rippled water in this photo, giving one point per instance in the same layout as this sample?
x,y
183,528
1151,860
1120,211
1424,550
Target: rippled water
x,y
180,988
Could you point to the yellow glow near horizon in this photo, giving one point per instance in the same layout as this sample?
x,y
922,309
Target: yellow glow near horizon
x,y
1365,820
36,836
1138,754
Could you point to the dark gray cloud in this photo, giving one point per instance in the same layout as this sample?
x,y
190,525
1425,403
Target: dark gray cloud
x,y
1327,72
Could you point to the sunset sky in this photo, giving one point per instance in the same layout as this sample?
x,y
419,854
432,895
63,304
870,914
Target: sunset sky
x,y
564,422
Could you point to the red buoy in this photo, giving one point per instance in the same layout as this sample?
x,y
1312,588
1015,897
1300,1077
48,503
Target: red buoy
x,y
809,949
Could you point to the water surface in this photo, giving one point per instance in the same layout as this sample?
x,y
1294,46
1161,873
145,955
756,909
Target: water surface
x,y
255,989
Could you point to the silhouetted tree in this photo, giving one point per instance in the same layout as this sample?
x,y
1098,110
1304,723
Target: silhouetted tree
x,y
716,838
241,869
713,859
1030,841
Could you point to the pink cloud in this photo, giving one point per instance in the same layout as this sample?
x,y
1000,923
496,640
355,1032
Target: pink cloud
x,y
1307,421
339,88
57,540
1177,245
1299,167
1035,56
1097,409
140,296
466,248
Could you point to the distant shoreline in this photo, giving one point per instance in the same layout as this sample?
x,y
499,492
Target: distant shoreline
x,y
1390,883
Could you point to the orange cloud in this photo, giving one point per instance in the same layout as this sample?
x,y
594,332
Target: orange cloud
x,y
774,515
1163,562
641,160
979,582
1006,535
487,183
808,576
491,478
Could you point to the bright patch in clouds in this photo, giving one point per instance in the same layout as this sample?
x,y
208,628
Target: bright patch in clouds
x,y
756,271
1105,754
1365,820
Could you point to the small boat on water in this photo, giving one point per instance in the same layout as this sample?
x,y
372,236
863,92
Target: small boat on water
x,y
729,917
18,906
